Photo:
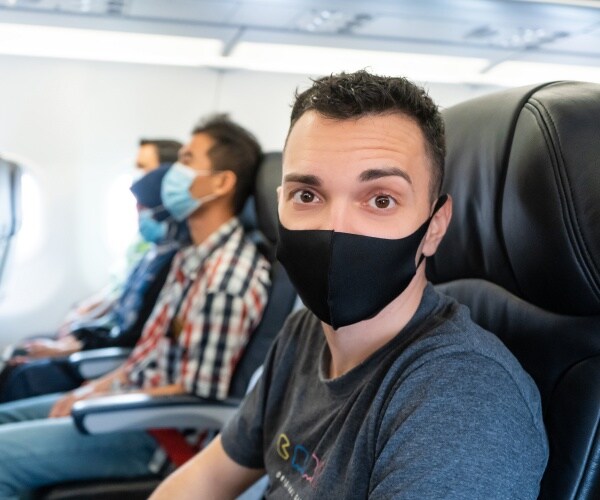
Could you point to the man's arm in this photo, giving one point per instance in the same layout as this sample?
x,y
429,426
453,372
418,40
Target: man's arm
x,y
210,474
99,387
46,348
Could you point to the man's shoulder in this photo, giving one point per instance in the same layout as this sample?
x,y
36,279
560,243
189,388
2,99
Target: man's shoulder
x,y
457,358
434,354
461,337
448,329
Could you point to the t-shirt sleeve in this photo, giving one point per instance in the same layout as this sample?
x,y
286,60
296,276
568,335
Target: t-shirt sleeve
x,y
458,428
243,437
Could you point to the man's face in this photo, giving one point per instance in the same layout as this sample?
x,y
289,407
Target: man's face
x,y
367,176
195,155
147,158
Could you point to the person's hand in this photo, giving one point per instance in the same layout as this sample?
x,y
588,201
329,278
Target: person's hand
x,y
42,348
18,360
47,348
62,408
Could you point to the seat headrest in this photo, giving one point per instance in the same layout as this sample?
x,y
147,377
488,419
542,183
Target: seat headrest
x,y
147,190
265,197
523,169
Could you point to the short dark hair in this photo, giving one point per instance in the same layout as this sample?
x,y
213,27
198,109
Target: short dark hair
x,y
167,149
234,149
353,95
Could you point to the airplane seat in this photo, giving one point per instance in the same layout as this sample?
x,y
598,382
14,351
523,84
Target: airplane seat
x,y
276,311
123,412
523,252
10,208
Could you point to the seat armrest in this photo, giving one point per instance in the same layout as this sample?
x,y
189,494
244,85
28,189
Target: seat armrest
x,y
141,412
97,362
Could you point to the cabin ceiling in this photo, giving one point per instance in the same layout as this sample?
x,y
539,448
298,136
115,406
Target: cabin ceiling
x,y
496,30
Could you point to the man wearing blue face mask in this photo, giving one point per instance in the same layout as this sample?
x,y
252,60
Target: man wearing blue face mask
x,y
152,154
121,325
212,300
382,388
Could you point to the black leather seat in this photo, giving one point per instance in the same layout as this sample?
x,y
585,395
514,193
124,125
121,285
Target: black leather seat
x,y
523,252
185,412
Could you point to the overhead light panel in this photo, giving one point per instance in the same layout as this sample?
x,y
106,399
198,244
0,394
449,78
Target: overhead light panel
x,y
97,45
331,21
518,38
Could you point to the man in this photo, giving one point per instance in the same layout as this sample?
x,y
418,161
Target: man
x,y
152,153
121,325
383,388
155,152
213,299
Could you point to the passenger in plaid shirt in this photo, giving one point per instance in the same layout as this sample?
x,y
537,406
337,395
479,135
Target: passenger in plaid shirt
x,y
226,282
212,300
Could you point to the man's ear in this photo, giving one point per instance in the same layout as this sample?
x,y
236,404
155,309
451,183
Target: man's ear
x,y
437,228
224,183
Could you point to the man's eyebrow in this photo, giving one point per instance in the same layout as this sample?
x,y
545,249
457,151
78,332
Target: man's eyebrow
x,y
310,180
378,173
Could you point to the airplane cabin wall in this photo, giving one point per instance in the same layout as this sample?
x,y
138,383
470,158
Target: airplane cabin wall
x,y
75,126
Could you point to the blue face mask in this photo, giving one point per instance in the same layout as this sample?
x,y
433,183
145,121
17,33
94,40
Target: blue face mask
x,y
151,230
175,191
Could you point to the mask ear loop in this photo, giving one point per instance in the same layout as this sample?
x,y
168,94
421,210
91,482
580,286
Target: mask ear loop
x,y
169,221
171,230
157,210
441,201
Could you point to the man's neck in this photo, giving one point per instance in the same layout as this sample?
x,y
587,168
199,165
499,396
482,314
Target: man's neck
x,y
353,344
203,223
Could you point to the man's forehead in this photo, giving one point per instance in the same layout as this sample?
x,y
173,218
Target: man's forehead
x,y
202,139
147,150
392,122
314,133
388,148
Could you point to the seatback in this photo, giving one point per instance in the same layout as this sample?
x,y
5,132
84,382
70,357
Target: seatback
x,y
523,252
10,207
282,294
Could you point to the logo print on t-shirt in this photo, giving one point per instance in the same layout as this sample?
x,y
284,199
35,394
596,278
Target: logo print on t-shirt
x,y
283,445
307,464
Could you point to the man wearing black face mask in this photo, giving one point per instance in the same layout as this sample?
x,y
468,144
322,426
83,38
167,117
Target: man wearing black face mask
x,y
382,388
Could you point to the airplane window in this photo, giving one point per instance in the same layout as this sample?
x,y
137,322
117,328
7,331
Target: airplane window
x,y
29,238
121,216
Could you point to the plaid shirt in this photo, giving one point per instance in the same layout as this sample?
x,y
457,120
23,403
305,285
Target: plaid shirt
x,y
212,300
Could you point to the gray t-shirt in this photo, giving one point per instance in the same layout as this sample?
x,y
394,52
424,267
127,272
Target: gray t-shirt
x,y
442,411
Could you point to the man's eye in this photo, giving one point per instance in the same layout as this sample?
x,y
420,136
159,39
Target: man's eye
x,y
382,202
303,196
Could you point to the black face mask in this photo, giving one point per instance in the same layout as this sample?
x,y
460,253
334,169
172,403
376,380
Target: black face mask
x,y
346,278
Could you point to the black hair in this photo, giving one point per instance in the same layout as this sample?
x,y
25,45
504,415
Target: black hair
x,y
346,96
167,149
234,149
